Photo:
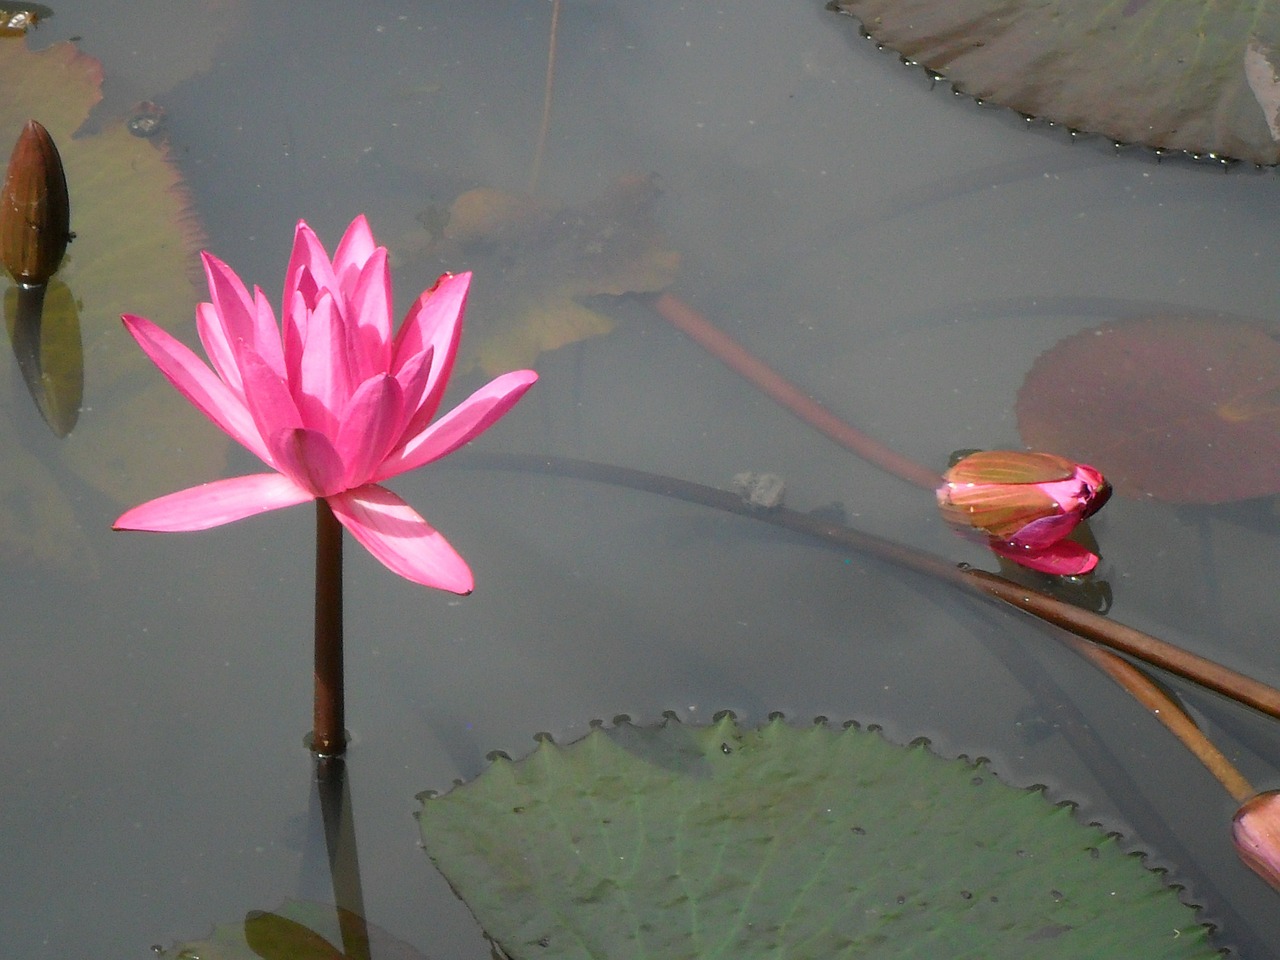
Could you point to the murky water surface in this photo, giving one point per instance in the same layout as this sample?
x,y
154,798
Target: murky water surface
x,y
901,253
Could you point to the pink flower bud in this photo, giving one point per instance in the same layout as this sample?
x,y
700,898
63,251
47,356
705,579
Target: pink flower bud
x,y
1027,504
35,215
1256,830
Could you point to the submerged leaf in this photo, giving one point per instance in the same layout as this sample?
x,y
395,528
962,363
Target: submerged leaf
x,y
273,937
295,930
134,251
1194,76
539,261
691,842
1180,409
39,529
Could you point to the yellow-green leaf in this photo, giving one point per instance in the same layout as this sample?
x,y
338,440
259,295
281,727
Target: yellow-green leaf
x,y
536,262
134,252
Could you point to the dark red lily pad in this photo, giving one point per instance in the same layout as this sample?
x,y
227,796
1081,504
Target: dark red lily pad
x,y
1184,410
1196,77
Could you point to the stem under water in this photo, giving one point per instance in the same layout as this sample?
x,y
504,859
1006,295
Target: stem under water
x,y
741,361
329,735
334,788
1080,625
1169,712
544,128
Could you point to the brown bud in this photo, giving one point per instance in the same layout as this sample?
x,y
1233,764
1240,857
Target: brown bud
x,y
35,215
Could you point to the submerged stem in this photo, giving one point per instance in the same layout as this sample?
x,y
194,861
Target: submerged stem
x,y
1091,626
1169,712
746,364
544,128
329,736
1081,623
334,788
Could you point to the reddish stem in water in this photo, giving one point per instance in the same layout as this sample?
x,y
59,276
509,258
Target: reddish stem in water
x,y
544,128
1169,712
1083,623
1133,642
329,736
738,359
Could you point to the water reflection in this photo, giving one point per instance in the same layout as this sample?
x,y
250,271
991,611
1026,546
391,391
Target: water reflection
x,y
297,929
44,329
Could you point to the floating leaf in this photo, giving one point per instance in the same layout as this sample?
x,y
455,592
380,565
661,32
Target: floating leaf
x,y
539,262
134,252
692,842
1199,77
1181,409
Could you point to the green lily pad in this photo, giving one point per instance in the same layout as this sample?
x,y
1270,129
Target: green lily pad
x,y
1197,77
695,842
134,252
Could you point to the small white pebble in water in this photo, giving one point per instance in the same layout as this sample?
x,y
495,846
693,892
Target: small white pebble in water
x,y
764,490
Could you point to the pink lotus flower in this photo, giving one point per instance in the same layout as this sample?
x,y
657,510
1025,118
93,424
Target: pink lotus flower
x,y
1256,830
330,399
1026,504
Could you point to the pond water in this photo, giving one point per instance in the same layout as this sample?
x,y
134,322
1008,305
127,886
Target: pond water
x,y
901,253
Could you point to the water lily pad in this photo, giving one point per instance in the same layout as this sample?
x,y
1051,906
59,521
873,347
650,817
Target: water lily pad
x,y
540,261
1185,410
135,247
1199,77
691,842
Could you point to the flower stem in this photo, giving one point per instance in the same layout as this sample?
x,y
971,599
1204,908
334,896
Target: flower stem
x,y
329,736
1080,624
1083,623
741,361
544,128
1169,712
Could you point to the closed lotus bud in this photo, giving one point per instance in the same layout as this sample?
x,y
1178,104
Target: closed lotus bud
x,y
35,215
1256,829
1027,504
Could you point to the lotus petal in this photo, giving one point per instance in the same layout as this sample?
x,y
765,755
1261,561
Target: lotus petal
x,y
213,504
406,544
1066,558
